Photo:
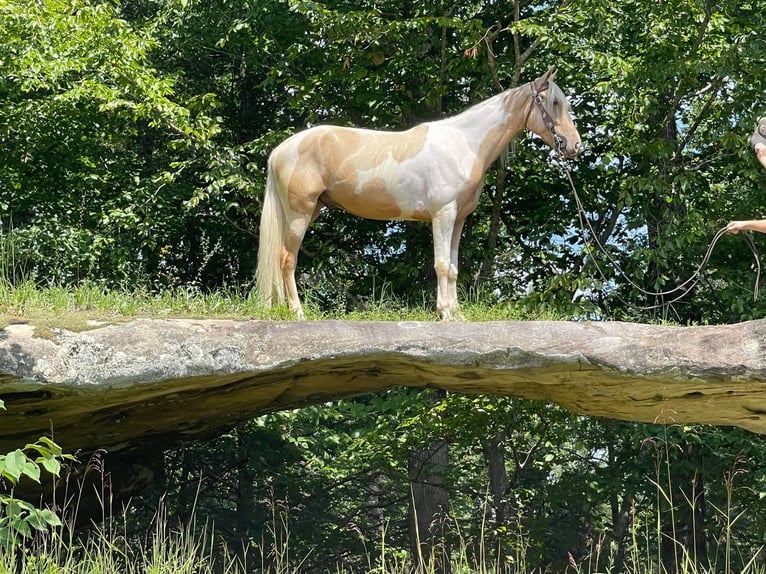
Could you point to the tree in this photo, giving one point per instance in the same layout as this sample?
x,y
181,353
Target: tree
x,y
674,161
93,145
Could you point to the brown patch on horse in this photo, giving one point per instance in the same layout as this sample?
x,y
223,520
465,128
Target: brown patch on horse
x,y
303,188
413,143
374,187
364,149
373,202
488,151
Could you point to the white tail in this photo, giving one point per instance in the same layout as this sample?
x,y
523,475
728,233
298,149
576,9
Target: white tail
x,y
268,276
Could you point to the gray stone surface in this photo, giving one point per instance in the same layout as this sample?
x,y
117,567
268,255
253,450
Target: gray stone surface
x,y
150,384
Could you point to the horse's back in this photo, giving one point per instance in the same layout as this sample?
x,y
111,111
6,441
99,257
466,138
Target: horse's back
x,y
350,141
336,150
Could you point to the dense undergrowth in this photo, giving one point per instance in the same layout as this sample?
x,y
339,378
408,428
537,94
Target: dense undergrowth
x,y
168,548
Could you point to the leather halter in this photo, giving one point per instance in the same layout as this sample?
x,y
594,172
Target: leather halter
x,y
559,141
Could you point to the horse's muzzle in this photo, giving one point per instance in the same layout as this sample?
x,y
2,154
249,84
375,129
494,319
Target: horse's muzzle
x,y
565,150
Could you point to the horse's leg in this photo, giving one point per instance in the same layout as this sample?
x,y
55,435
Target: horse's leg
x,y
443,225
452,276
297,224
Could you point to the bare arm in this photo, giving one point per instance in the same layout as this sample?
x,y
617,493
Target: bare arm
x,y
760,151
751,224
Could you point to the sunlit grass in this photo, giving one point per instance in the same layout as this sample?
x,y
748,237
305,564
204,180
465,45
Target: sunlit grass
x,y
83,306
107,550
91,302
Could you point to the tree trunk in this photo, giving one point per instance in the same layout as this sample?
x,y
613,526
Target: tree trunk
x,y
375,513
498,484
245,495
661,213
187,493
429,509
494,222
621,518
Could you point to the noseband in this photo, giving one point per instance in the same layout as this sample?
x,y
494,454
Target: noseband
x,y
559,141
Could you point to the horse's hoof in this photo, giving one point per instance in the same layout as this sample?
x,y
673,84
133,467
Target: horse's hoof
x,y
448,315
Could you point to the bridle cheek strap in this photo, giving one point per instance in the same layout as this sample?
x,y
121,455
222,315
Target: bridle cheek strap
x,y
559,142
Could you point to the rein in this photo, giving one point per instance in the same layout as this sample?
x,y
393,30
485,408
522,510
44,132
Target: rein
x,y
682,288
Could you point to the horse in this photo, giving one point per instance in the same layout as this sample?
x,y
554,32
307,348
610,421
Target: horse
x,y
432,172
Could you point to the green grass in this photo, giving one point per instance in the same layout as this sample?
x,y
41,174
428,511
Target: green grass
x,y
105,550
85,306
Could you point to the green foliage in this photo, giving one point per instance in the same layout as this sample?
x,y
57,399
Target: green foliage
x,y
93,143
676,164
111,549
133,145
19,518
335,477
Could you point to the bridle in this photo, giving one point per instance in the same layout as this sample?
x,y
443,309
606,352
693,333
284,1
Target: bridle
x,y
559,141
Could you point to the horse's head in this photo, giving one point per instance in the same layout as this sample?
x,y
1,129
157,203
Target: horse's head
x,y
549,115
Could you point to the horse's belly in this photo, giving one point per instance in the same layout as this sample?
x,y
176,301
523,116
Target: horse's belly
x,y
374,200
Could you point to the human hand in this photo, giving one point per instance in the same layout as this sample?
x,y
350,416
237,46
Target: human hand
x,y
735,226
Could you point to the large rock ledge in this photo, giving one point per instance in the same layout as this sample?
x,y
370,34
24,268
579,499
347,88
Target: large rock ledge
x,y
150,384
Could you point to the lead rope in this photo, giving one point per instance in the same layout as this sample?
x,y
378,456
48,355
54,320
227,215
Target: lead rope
x,y
684,287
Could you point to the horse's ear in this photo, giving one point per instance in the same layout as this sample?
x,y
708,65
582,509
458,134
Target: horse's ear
x,y
542,81
549,75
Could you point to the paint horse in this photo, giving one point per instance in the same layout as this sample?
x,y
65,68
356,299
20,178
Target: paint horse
x,y
432,172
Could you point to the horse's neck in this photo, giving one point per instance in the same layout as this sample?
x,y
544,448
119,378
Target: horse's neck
x,y
490,125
